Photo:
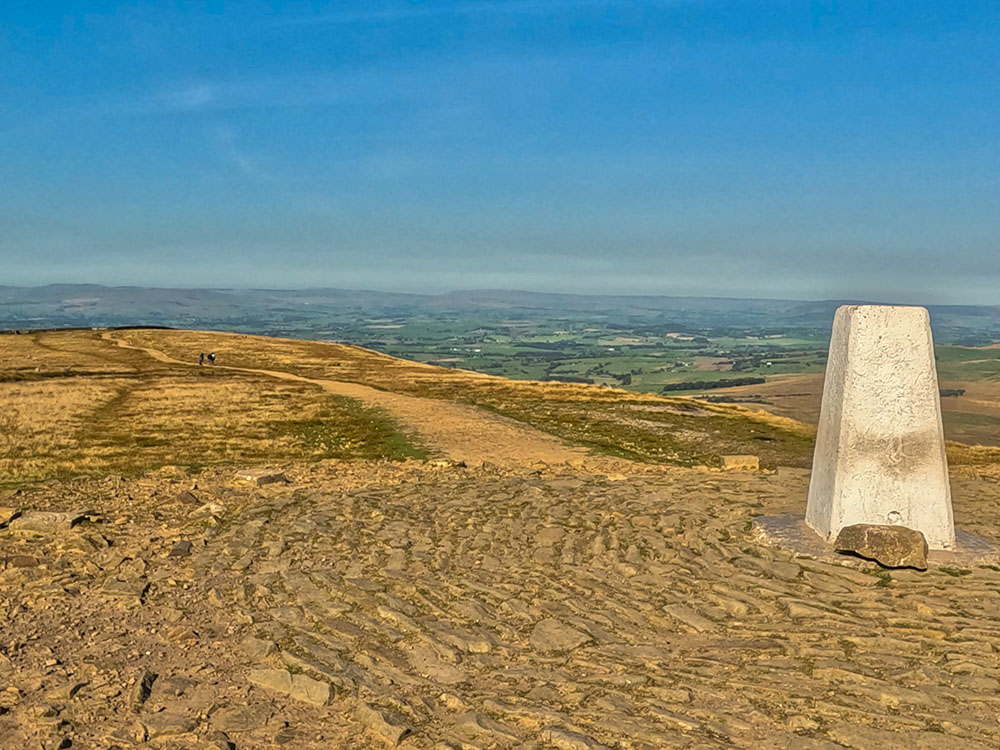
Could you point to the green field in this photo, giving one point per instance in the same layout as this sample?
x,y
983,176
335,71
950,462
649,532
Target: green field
x,y
638,357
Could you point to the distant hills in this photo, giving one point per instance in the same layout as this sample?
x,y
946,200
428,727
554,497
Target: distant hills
x,y
272,310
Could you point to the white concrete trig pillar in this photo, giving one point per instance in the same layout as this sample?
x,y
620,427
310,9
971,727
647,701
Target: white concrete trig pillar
x,y
880,456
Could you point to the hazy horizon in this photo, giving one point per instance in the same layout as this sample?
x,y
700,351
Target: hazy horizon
x,y
679,147
500,291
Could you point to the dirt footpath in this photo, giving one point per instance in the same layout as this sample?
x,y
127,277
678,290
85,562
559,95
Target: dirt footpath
x,y
458,432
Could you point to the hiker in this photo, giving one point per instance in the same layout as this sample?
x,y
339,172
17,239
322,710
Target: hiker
x,y
201,359
211,358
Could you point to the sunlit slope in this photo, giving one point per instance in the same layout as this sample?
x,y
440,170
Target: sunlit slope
x,y
969,378
610,421
75,404
78,403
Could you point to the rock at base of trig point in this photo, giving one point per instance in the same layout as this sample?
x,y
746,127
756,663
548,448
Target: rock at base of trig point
x,y
740,463
889,546
260,477
789,531
880,456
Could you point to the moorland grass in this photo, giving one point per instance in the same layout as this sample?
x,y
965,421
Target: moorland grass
x,y
611,421
77,405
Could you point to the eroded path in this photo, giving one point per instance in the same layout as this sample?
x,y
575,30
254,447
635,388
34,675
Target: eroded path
x,y
458,432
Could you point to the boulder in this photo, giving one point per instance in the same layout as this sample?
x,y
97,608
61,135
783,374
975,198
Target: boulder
x,y
207,510
142,688
164,724
23,561
180,549
889,546
239,719
7,515
187,497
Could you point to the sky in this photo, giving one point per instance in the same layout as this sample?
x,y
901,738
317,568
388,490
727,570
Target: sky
x,y
785,148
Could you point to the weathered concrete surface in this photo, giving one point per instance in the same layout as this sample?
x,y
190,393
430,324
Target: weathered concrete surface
x,y
891,546
880,456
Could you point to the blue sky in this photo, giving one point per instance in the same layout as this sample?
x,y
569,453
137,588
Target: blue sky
x,y
782,149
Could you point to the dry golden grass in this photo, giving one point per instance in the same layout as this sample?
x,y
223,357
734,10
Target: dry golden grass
x,y
57,354
600,418
51,409
76,403
970,420
353,364
972,455
87,407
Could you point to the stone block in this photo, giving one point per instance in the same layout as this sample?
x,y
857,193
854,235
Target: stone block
x,y
880,454
297,686
261,477
391,728
891,546
740,463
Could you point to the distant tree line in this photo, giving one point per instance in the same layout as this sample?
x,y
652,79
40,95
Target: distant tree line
x,y
946,392
704,385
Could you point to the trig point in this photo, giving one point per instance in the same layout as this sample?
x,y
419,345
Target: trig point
x,y
880,456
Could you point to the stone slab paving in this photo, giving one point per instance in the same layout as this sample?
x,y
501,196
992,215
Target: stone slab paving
x,y
412,605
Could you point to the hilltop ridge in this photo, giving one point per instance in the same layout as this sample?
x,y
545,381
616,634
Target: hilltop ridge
x,y
114,397
314,545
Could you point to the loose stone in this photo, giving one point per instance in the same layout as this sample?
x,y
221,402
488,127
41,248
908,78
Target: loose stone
x,y
890,546
552,636
297,686
389,728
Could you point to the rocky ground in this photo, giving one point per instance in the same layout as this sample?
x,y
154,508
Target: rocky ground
x,y
429,605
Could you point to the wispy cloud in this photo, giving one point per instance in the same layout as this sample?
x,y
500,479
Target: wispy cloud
x,y
481,8
225,142
267,92
431,79
189,98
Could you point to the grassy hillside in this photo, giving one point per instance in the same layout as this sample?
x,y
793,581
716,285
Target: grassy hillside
x,y
75,404
972,418
612,421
